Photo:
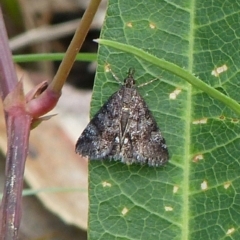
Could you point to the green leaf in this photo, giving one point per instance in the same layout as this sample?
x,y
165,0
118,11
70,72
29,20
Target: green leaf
x,y
195,195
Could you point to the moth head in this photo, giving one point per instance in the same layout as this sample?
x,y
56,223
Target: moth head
x,y
129,82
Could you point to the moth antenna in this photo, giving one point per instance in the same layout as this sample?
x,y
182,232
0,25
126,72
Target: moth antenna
x,y
144,84
115,77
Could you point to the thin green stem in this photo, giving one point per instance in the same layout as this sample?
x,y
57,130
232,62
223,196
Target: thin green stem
x,y
176,70
86,57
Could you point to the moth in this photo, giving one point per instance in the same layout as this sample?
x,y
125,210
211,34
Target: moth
x,y
124,129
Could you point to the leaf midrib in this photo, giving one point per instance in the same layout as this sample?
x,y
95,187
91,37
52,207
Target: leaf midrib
x,y
186,159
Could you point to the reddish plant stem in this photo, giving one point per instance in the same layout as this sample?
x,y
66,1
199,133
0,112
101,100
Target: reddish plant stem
x,y
19,115
6,64
19,126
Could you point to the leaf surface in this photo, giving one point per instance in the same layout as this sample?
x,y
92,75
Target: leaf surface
x,y
196,194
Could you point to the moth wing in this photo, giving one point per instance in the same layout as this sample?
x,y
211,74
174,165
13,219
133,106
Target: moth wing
x,y
98,138
143,141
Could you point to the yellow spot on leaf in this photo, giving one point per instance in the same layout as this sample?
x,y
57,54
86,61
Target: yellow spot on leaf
x,y
227,185
129,24
107,68
124,211
197,157
200,121
230,231
174,94
152,25
204,185
219,70
234,120
175,189
106,184
222,117
168,209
